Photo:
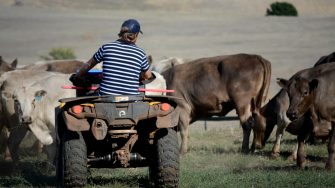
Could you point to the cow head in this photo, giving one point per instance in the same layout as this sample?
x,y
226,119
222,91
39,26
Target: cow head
x,y
258,122
300,92
26,102
28,106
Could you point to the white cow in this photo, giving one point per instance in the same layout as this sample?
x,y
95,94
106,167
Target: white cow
x,y
12,84
62,66
37,104
9,81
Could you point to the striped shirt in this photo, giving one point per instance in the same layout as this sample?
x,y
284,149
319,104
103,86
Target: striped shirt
x,y
122,64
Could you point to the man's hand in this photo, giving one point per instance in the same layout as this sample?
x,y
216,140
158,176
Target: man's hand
x,y
148,80
77,80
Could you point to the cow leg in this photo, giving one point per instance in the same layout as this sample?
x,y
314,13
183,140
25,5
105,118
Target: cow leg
x,y
282,122
184,121
8,156
15,138
279,135
244,114
51,150
37,147
302,137
294,153
276,147
301,158
331,149
5,134
246,137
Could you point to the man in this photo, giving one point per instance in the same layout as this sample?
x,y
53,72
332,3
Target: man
x,y
124,64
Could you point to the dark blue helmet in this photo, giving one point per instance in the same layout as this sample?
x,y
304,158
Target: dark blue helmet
x,y
132,25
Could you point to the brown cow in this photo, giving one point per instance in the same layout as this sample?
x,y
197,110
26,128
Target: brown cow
x,y
274,112
62,66
315,97
217,85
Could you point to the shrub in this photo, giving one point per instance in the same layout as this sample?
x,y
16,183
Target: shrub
x,y
282,9
60,53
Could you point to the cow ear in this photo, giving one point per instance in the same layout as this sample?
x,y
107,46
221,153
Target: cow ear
x,y
14,63
150,59
39,94
282,83
173,62
313,84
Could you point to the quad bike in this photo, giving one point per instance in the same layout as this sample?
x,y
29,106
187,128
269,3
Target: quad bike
x,y
120,131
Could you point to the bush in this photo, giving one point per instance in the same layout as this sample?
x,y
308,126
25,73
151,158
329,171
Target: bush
x,y
282,9
60,53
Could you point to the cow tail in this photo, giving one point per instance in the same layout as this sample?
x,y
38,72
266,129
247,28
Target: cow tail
x,y
266,82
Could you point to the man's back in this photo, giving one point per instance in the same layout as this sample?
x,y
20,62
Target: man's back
x,y
122,64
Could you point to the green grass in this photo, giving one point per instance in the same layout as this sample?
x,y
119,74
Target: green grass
x,y
213,160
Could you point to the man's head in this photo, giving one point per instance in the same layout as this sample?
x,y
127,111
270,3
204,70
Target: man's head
x,y
129,30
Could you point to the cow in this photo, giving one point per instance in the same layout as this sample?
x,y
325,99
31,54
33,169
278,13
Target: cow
x,y
9,81
313,97
215,86
36,106
274,112
61,66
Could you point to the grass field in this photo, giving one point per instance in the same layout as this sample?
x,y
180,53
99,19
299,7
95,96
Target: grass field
x,y
213,160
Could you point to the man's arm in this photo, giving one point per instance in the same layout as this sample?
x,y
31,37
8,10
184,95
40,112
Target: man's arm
x,y
77,79
86,67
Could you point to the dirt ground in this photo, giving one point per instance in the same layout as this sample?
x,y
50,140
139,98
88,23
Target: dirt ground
x,y
182,28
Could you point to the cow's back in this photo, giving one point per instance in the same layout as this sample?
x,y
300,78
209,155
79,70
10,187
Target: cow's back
x,y
314,71
22,77
324,98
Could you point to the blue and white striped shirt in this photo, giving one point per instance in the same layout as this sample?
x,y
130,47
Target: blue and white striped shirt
x,y
122,64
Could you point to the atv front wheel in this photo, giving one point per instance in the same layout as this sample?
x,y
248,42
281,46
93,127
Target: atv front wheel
x,y
74,160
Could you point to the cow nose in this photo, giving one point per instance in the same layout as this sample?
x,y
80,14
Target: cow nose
x,y
26,120
291,115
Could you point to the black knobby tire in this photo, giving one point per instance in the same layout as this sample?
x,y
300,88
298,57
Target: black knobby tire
x,y
164,169
74,160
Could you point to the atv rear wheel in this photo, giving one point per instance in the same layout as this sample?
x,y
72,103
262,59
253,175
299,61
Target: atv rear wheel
x,y
74,160
164,169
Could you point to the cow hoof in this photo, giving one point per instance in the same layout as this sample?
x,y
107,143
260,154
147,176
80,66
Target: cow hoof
x,y
8,159
292,158
274,155
182,153
329,166
245,152
301,165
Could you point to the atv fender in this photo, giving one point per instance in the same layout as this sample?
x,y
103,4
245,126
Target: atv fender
x,y
74,124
